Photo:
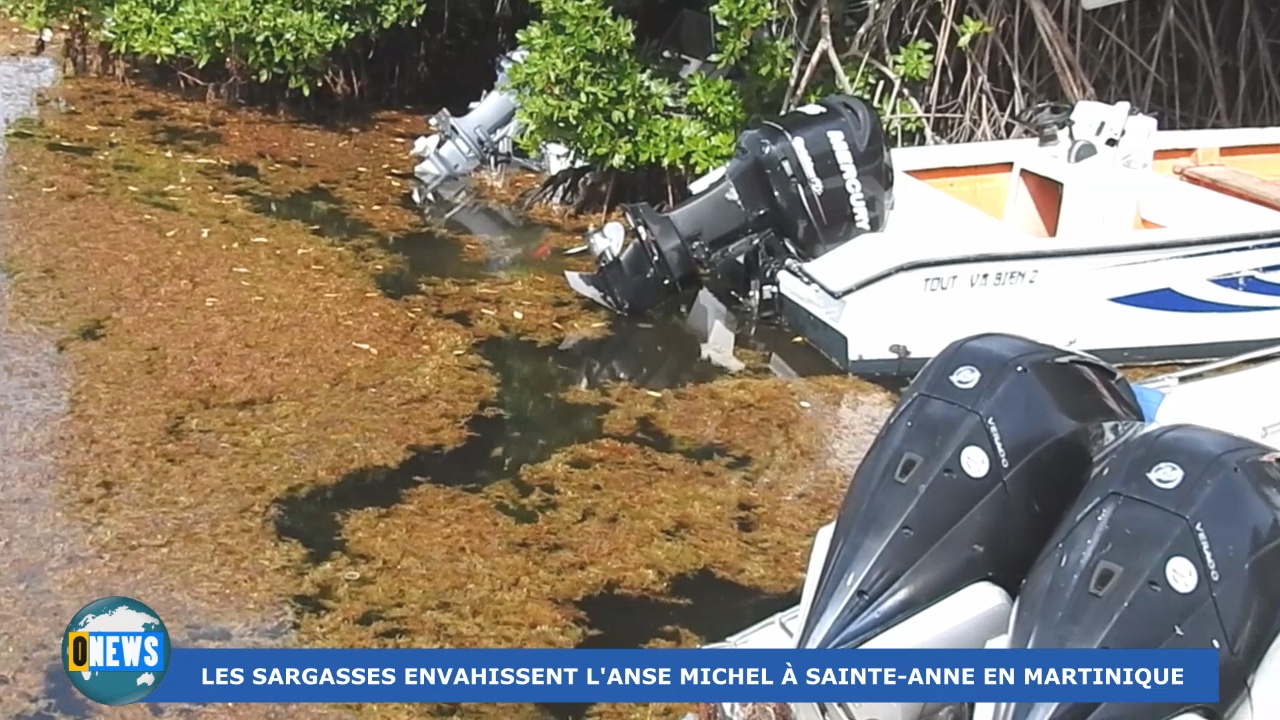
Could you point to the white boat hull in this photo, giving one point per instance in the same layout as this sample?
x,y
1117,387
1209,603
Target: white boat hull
x,y
1175,305
1118,255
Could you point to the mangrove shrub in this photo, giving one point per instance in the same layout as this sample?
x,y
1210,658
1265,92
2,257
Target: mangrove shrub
x,y
586,84
291,47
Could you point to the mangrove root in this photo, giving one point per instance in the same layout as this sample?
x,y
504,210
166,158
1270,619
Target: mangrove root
x,y
587,190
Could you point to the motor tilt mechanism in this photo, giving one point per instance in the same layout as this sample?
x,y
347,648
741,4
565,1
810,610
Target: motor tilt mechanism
x,y
796,187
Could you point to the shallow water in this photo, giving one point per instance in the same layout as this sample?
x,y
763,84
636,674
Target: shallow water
x,y
40,545
295,391
34,542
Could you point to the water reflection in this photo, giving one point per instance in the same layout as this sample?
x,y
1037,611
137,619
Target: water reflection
x,y
509,239
527,422
649,355
436,251
317,207
789,355
691,339
457,205
702,602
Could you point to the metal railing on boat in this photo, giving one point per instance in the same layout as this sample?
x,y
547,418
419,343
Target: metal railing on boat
x,y
1174,378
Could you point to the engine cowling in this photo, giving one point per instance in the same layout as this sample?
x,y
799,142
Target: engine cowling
x,y
986,450
1174,543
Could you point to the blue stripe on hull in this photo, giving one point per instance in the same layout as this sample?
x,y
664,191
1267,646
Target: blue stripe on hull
x,y
1170,300
1249,284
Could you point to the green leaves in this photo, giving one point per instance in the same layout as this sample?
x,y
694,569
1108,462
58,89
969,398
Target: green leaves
x,y
582,85
286,40
970,29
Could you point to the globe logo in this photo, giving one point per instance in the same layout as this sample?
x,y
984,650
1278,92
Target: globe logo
x,y
966,377
1166,475
115,651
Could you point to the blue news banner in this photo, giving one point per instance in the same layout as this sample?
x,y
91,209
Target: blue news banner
x,y
586,676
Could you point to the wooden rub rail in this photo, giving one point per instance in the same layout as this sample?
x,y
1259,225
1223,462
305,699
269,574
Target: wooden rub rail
x,y
1234,182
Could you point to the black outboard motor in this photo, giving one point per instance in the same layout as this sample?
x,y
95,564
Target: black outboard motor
x,y
986,450
801,185
1174,543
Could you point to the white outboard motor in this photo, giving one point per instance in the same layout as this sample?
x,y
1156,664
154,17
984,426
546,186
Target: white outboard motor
x,y
799,185
957,496
484,134
1174,543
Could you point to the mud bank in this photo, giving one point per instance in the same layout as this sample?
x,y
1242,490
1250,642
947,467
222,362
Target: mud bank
x,y
299,413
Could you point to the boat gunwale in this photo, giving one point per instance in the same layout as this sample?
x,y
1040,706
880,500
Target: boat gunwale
x,y
1121,357
995,152
1253,236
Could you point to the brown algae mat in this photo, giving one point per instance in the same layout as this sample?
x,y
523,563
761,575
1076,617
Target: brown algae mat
x,y
269,447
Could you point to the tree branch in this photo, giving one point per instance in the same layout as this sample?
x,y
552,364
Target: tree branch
x,y
842,80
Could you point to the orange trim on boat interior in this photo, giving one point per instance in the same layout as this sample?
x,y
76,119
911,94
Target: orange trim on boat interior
x,y
1141,223
1260,160
985,187
1037,205
988,187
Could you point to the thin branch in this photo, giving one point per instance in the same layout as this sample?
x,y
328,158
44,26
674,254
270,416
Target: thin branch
x,y
814,59
795,65
824,22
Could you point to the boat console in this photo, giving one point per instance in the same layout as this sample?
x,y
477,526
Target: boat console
x,y
1085,176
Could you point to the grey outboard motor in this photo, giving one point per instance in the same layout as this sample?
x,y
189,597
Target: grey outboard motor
x,y
796,187
986,450
455,201
462,144
1174,543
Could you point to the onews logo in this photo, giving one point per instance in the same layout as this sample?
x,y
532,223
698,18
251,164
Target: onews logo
x,y
116,651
